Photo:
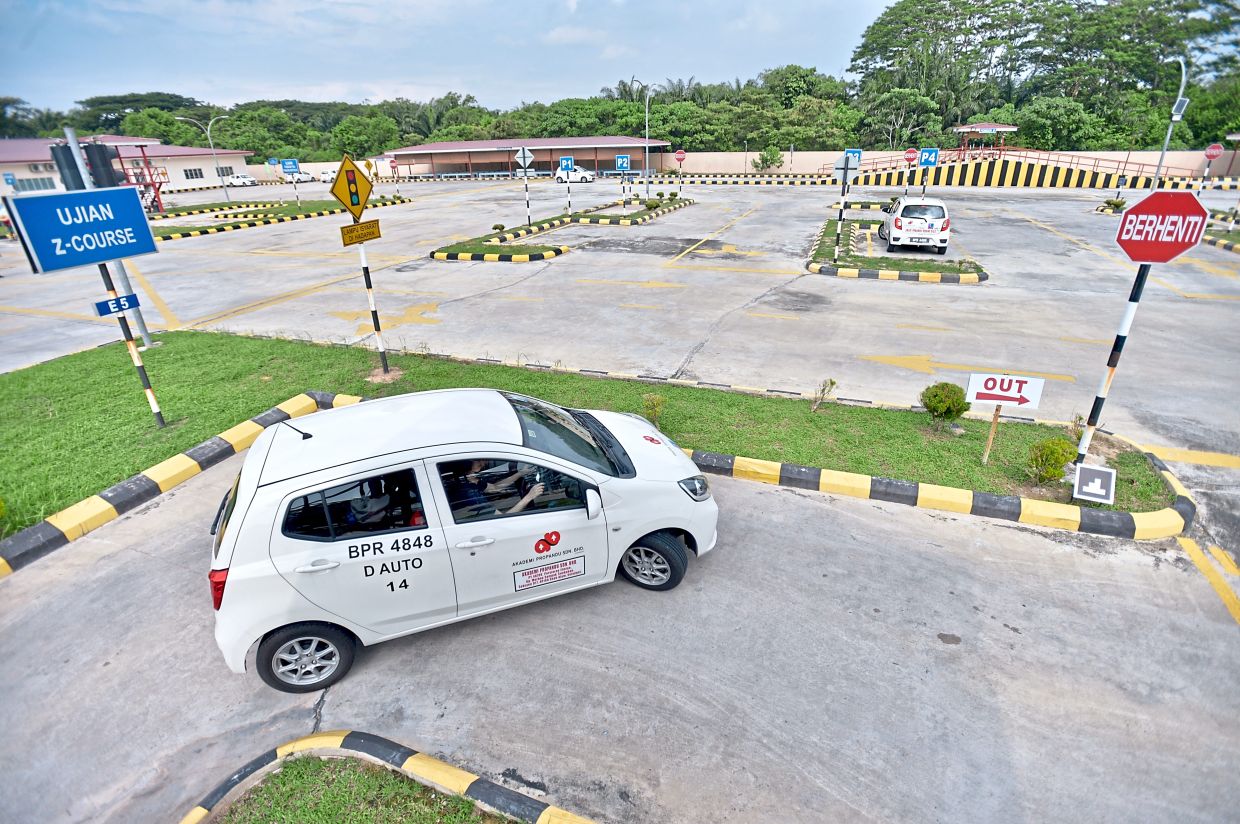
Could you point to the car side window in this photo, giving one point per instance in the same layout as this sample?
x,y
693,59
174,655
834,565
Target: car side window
x,y
382,503
485,488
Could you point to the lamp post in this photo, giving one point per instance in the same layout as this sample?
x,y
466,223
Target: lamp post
x,y
207,129
646,148
1177,112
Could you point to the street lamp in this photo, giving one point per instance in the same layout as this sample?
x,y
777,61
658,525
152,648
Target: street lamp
x,y
1177,113
207,129
646,149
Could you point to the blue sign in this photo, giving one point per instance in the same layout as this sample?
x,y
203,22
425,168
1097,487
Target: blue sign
x,y
10,178
273,161
566,163
71,229
928,157
290,166
855,154
116,305
622,163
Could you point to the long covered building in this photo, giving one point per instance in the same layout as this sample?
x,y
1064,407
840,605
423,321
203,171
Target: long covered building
x,y
495,158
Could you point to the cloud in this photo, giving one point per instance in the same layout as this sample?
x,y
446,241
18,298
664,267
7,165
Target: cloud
x,y
756,18
570,36
572,6
615,50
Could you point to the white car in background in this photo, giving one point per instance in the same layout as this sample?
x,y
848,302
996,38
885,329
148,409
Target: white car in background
x,y
574,175
369,522
299,177
327,176
241,179
916,221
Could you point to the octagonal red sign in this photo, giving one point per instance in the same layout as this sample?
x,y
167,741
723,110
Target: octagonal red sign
x,y
1214,151
1162,227
680,155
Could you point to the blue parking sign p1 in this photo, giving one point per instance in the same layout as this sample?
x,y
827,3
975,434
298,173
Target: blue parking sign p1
x,y
566,163
855,154
622,163
71,229
928,157
290,166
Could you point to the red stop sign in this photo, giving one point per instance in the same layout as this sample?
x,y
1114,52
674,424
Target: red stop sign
x,y
1214,151
1162,227
910,155
680,155
392,163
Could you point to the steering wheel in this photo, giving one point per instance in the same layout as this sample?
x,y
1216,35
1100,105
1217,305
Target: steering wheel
x,y
527,482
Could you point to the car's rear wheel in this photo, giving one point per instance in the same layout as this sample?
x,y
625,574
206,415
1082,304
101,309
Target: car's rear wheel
x,y
656,562
891,247
942,250
304,657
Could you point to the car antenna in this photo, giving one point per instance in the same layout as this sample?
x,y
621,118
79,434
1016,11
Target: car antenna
x,y
304,435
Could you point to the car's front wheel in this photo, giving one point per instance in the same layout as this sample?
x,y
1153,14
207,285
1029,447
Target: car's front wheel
x,y
656,562
304,657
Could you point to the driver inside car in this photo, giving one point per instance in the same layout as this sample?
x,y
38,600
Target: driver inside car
x,y
473,495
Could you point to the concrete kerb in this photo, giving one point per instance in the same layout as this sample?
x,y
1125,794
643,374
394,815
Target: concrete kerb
x,y
1225,245
229,208
624,221
271,220
979,276
60,529
420,767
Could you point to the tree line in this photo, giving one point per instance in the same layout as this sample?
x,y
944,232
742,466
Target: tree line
x,y
1070,74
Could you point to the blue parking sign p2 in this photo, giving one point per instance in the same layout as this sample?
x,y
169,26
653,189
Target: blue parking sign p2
x,y
928,157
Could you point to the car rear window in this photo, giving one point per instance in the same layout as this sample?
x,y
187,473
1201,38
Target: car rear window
x,y
925,212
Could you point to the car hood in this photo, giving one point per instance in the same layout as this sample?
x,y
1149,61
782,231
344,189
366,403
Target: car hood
x,y
655,456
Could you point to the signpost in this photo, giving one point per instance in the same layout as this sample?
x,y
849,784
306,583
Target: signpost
x,y
844,171
622,165
70,229
290,166
395,174
910,157
116,305
1094,483
1159,229
566,166
10,178
352,188
524,158
1213,152
926,158
680,161
1000,389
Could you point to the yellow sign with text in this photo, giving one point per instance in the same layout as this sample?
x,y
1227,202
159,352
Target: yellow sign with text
x,y
352,188
360,232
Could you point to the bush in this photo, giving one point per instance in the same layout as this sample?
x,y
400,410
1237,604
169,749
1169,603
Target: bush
x,y
944,401
673,195
498,227
659,195
1116,203
771,157
1047,458
652,204
652,408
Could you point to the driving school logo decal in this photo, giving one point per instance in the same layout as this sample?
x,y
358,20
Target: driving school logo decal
x,y
547,541
652,439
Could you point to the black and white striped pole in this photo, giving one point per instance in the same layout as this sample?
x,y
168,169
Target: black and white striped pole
x,y
839,221
370,299
134,354
525,173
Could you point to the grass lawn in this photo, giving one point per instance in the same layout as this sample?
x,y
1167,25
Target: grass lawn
x,y
73,426
162,229
826,246
480,246
325,791
1221,234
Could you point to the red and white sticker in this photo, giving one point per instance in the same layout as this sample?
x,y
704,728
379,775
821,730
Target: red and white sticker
x,y
549,573
652,439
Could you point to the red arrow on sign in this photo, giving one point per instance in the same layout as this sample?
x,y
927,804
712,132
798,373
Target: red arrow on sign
x,y
988,396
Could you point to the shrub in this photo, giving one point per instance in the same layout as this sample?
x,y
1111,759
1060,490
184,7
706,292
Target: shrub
x,y
659,195
498,227
823,394
944,401
1116,203
652,407
673,195
771,157
652,204
1047,458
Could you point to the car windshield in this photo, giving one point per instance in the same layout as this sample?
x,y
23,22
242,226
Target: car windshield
x,y
925,212
550,429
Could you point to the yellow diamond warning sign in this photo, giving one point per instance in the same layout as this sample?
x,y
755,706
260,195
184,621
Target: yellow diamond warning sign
x,y
359,232
352,188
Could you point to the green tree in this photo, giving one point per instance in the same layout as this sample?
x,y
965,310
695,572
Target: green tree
x,y
105,113
896,117
163,125
1058,123
769,158
365,136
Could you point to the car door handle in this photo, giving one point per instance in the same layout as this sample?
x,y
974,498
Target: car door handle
x,y
474,543
318,566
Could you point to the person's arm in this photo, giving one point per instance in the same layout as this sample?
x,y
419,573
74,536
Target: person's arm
x,y
505,483
535,491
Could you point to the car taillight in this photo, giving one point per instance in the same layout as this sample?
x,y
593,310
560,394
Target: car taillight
x,y
217,577
947,222
899,225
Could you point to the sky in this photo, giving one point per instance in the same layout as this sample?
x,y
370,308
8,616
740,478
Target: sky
x,y
504,53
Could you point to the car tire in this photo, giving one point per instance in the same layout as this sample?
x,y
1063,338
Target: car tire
x,y
942,250
323,644
891,247
656,562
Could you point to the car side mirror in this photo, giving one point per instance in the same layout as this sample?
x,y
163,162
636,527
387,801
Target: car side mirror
x,y
594,504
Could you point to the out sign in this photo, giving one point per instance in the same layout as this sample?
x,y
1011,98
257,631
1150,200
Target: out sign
x,y
1005,390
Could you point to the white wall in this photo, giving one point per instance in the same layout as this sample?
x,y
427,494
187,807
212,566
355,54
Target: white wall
x,y
21,171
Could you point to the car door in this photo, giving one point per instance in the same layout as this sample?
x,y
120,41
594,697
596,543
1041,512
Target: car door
x,y
369,548
505,551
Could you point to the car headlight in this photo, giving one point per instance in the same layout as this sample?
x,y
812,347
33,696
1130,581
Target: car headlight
x,y
696,487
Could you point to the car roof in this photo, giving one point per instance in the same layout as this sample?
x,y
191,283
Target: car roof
x,y
923,201
397,424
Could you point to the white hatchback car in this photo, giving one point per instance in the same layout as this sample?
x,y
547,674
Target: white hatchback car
x,y
327,176
574,175
916,221
240,180
365,523
299,177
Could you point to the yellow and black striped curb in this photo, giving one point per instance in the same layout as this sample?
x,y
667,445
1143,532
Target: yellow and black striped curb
x,y
244,215
723,181
1027,174
1107,210
1224,217
1225,245
501,257
1163,523
419,766
633,221
230,207
888,274
68,525
861,207
249,224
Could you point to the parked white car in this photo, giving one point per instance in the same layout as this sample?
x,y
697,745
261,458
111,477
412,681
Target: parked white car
x,y
916,221
365,523
241,179
299,177
574,175
327,176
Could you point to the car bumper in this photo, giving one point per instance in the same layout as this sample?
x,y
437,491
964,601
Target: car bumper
x,y
920,240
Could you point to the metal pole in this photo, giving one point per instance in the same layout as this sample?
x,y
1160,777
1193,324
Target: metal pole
x,y
791,153
568,181
370,299
121,274
839,221
1125,324
990,440
134,355
216,161
525,173
646,148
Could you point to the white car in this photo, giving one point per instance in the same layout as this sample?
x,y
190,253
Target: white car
x,y
574,175
365,523
240,180
916,221
299,177
327,176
